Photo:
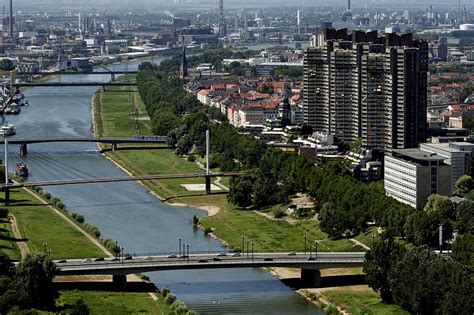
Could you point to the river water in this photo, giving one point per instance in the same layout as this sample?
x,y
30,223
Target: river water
x,y
126,212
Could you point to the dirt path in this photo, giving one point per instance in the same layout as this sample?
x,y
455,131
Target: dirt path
x,y
72,223
24,250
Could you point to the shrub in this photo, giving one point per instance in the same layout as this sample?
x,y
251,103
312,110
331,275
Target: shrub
x,y
55,200
92,230
195,220
165,291
279,213
80,218
47,196
79,308
331,310
207,230
73,215
179,307
61,206
191,158
170,298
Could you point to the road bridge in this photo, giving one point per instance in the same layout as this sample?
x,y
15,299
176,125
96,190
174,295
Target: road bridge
x,y
114,141
310,264
62,84
111,72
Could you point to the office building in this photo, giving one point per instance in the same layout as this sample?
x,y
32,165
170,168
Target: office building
x,y
412,175
364,86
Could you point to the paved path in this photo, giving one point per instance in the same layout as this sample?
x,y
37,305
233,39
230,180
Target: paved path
x,y
359,243
24,250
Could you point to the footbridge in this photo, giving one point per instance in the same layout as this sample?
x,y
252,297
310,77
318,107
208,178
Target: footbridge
x,y
114,141
310,264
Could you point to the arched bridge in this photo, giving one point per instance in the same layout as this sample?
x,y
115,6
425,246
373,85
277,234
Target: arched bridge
x,y
310,264
114,141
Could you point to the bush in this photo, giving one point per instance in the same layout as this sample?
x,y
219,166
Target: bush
x,y
207,230
79,308
92,230
170,298
80,218
165,291
55,200
331,310
179,307
60,206
46,196
195,220
279,213
73,215
191,158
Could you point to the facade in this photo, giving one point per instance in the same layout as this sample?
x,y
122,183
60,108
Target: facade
x,y
456,154
363,86
412,175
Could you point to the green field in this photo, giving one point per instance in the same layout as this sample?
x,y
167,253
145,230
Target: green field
x,y
7,243
360,300
115,302
39,224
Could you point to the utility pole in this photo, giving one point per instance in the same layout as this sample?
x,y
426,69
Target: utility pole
x,y
208,171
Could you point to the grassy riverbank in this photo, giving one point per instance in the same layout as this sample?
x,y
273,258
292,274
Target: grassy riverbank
x,y
116,302
8,244
39,224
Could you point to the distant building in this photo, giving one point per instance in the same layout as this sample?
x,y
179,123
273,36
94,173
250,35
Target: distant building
x,y
412,175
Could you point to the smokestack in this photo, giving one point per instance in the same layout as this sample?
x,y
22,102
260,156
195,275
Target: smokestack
x,y
349,5
11,19
222,26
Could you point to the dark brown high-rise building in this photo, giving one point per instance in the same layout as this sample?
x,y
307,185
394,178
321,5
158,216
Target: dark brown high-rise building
x,y
364,86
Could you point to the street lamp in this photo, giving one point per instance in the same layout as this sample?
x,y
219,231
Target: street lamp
x,y
121,253
252,250
184,250
315,250
310,251
247,249
243,243
440,238
305,243
188,250
179,247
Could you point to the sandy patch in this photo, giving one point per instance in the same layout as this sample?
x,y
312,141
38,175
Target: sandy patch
x,y
199,187
211,210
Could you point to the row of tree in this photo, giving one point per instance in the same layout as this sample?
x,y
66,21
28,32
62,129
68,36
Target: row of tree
x,y
420,280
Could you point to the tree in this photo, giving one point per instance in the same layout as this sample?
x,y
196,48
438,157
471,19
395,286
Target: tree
x,y
6,65
164,121
333,220
465,217
379,261
79,308
33,282
463,250
241,189
418,228
464,184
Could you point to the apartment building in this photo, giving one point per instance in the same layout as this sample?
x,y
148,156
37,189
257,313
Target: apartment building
x,y
364,86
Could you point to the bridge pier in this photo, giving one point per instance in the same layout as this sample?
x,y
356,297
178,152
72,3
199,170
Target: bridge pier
x,y
311,278
120,282
114,147
208,185
23,149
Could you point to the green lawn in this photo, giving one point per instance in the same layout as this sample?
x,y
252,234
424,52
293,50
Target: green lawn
x,y
7,243
360,300
115,302
367,237
39,224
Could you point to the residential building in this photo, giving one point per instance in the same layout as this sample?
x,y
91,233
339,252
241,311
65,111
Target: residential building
x,y
364,86
412,175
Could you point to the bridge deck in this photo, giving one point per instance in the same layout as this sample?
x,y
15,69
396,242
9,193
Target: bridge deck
x,y
148,264
110,140
50,84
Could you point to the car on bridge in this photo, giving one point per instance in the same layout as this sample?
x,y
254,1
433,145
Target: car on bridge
x,y
172,256
221,254
202,261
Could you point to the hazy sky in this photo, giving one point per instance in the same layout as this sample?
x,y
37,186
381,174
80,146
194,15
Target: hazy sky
x,y
233,3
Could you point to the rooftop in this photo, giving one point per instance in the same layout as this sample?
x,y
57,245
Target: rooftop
x,y
418,155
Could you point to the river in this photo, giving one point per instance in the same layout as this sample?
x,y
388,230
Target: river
x,y
126,212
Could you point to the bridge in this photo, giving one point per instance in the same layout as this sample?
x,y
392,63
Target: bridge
x,y
61,84
114,141
111,72
310,265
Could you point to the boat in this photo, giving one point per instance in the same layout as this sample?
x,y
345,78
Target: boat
x,y
7,130
12,110
21,170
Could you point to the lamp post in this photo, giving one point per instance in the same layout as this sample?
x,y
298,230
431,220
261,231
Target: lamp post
x,y
315,250
310,251
179,255
184,250
252,250
121,253
188,250
247,249
243,243
440,238
117,250
305,243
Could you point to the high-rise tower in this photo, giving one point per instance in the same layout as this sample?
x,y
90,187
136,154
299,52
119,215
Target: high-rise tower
x,y
222,24
363,86
183,70
11,19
